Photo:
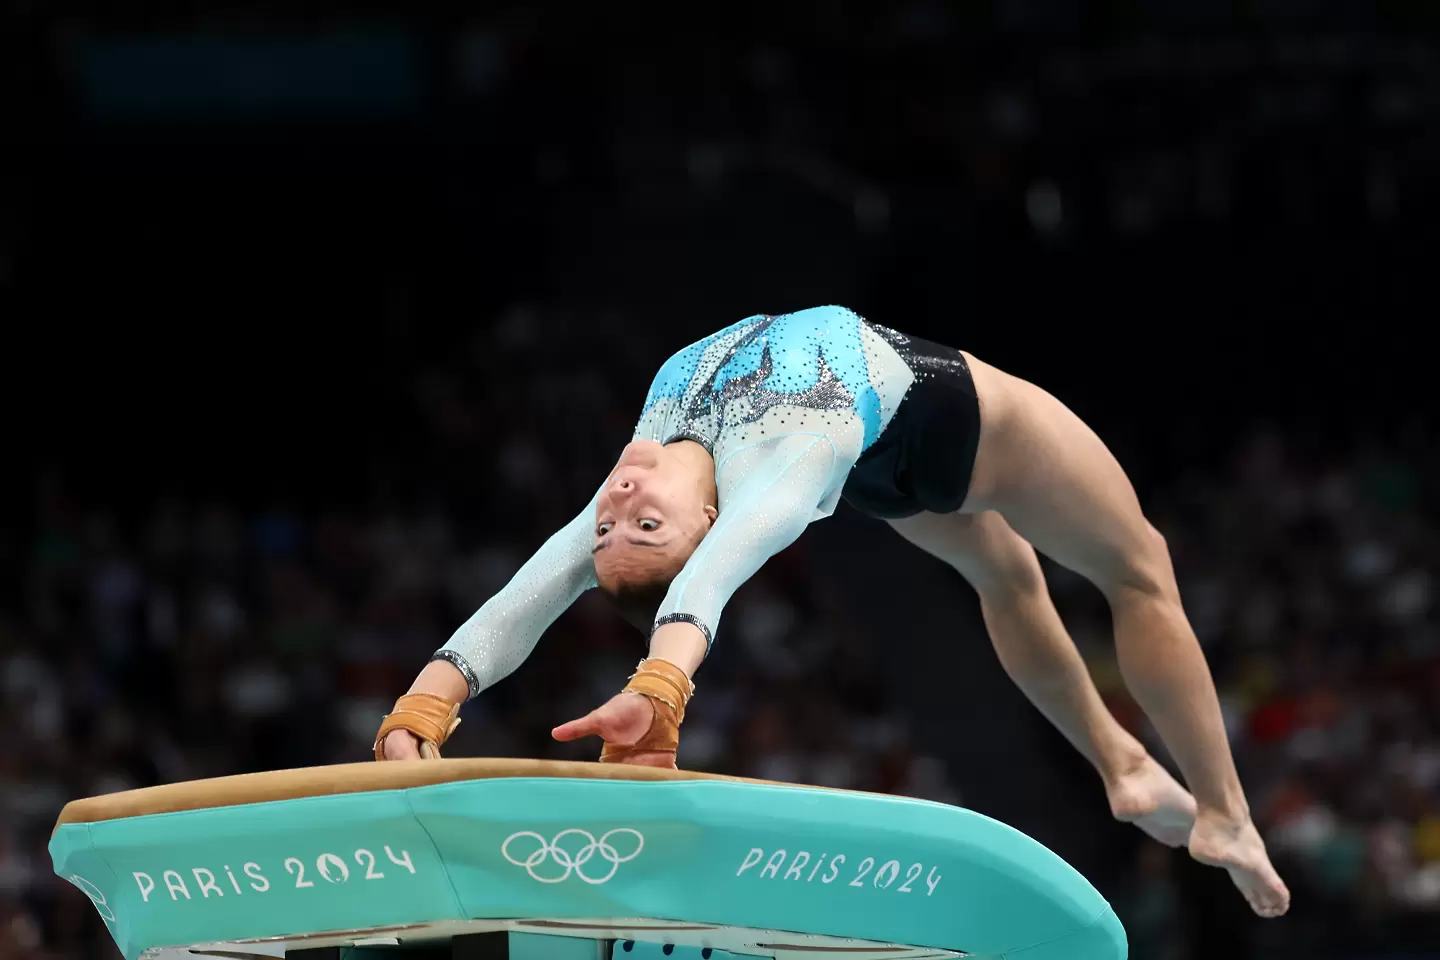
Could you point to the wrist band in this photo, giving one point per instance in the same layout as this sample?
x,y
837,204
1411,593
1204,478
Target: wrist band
x,y
656,678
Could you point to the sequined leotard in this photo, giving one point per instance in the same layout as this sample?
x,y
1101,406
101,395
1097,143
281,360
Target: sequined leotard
x,y
787,405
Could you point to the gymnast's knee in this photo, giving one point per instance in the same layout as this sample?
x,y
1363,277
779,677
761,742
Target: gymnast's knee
x,y
1145,571
1004,575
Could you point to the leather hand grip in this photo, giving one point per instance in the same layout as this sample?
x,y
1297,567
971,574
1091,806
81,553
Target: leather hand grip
x,y
669,691
433,719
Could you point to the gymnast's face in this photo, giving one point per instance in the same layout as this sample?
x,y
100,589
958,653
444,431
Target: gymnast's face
x,y
654,510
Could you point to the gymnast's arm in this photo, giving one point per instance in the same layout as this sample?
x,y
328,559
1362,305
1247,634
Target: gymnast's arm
x,y
767,498
503,632
770,505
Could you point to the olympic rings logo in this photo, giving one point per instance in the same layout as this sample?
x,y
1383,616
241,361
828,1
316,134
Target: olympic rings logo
x,y
572,856
96,897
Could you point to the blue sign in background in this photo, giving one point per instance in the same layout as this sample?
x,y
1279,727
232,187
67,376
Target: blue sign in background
x,y
735,854
360,73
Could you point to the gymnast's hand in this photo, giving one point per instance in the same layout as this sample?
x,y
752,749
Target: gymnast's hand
x,y
623,720
402,745
417,726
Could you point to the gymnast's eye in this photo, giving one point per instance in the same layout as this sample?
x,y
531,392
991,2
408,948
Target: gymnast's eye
x,y
603,529
649,526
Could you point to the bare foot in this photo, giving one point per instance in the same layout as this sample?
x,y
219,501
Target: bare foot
x,y
1152,800
1237,848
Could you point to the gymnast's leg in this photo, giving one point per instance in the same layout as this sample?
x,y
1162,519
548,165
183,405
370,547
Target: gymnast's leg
x,y
1061,489
1040,657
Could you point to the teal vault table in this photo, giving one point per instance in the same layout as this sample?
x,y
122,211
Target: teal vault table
x,y
538,860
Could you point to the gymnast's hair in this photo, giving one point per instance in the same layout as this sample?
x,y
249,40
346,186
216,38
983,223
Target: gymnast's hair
x,y
638,603
637,588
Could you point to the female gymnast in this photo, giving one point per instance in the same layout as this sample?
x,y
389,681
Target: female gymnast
x,y
752,433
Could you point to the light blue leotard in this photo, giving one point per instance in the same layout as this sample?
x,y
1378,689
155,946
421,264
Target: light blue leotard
x,y
786,405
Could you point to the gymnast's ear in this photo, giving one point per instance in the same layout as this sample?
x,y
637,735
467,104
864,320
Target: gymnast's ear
x,y
710,514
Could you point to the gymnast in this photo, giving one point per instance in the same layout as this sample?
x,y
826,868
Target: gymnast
x,y
750,434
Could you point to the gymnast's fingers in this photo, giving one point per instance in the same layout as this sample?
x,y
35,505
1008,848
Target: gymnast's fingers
x,y
587,726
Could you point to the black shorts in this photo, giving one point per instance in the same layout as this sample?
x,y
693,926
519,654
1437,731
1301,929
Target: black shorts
x,y
924,457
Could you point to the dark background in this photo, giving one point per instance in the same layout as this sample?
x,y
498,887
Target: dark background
x,y
317,321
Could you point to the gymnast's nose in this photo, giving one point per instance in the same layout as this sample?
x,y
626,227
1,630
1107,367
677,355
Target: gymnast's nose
x,y
626,482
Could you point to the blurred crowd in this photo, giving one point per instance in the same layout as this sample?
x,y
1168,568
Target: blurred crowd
x,y
199,638
1313,589
1309,577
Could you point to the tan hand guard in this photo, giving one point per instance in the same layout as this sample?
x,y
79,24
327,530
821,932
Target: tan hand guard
x,y
429,717
668,690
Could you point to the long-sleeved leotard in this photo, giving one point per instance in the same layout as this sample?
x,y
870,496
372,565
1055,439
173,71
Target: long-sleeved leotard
x,y
785,405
